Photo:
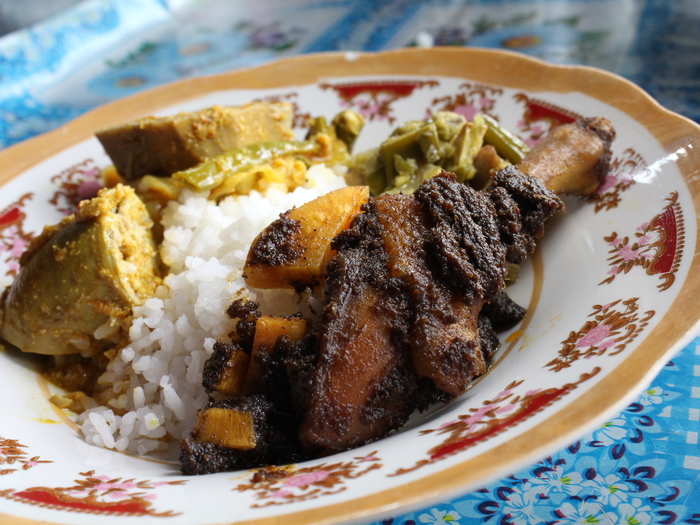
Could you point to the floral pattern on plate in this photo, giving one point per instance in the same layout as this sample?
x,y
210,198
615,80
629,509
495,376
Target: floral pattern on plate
x,y
623,169
374,99
300,119
76,183
13,456
472,98
97,494
14,239
291,484
493,417
613,326
618,473
539,117
656,246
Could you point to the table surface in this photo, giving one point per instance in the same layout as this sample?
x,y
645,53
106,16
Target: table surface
x,y
641,467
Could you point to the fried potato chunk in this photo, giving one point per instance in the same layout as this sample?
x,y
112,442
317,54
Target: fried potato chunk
x,y
293,251
268,331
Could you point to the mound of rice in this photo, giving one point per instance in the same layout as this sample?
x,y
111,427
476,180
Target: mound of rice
x,y
155,382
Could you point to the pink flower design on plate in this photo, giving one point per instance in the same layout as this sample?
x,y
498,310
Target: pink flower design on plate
x,y
18,247
506,408
369,110
447,424
628,254
487,103
609,183
595,336
614,270
307,478
123,485
612,180
478,414
644,240
466,110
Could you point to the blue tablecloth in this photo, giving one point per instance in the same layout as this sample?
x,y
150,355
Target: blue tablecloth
x,y
641,467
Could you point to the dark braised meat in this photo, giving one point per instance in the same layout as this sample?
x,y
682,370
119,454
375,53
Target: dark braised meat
x,y
362,384
403,298
523,206
247,313
502,312
404,324
488,338
421,249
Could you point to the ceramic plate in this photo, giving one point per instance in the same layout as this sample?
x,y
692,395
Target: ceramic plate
x,y
611,294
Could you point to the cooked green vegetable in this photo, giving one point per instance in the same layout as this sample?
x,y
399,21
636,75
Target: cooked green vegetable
x,y
340,134
419,150
212,172
363,169
159,189
448,124
507,145
409,175
403,143
347,126
318,126
467,144
79,279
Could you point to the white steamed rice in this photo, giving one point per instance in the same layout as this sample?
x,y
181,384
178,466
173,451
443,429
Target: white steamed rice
x,y
156,381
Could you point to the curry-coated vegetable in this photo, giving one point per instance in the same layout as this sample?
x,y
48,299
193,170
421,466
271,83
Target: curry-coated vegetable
x,y
79,279
161,146
324,143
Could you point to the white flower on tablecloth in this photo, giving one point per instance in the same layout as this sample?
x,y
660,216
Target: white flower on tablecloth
x,y
440,517
652,396
610,489
635,513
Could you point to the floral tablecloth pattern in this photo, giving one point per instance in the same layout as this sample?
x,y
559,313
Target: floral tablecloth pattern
x,y
642,466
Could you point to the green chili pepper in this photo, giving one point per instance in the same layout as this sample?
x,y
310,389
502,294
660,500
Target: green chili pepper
x,y
210,173
507,145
